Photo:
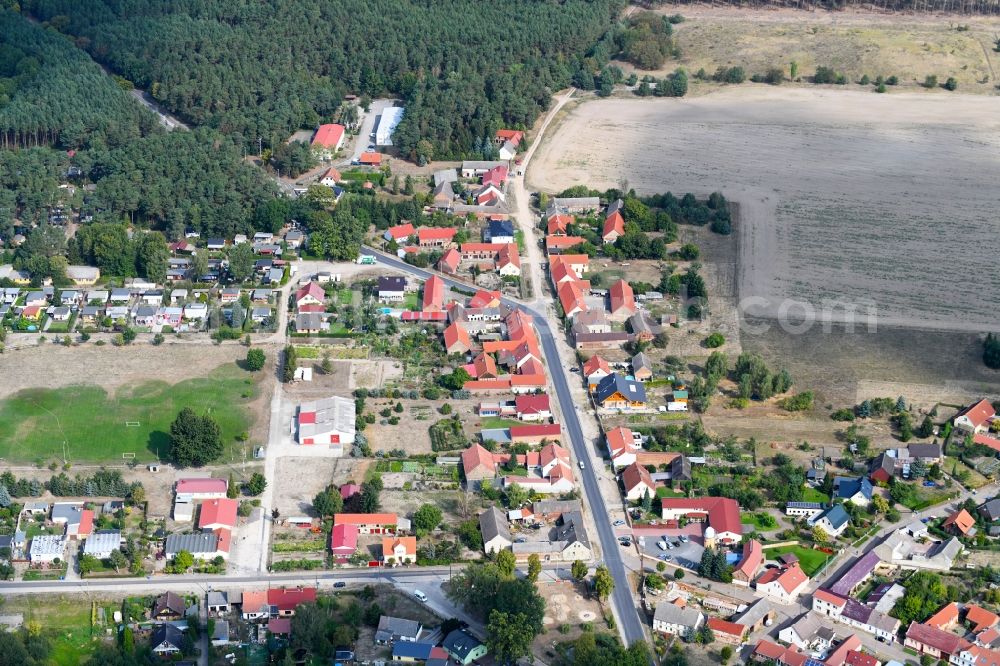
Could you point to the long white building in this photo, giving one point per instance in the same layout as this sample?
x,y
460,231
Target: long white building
x,y
391,115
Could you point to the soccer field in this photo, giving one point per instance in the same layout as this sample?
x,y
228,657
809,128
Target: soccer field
x,y
93,426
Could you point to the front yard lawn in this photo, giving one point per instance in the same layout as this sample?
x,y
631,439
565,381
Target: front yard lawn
x,y
813,495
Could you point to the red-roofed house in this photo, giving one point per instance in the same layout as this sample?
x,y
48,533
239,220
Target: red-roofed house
x,y
557,225
945,618
330,177
614,227
571,297
349,490
509,261
621,447
579,263
399,233
433,300
980,618
456,339
218,513
784,584
483,367
505,135
828,603
855,658
435,236
280,626
255,605
478,463
595,369
496,176
936,642
721,513
484,299
328,139
728,632
637,482
975,419
622,300
309,294
839,656
559,244
532,407
766,651
344,540
368,523
749,565
84,527
959,523
450,262
986,440
200,489
371,159
224,541
535,434
284,601
399,550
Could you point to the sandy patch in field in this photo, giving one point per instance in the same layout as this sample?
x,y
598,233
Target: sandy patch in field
x,y
844,196
852,42
374,374
54,366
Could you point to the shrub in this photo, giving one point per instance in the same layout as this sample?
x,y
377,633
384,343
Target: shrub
x,y
715,340
951,83
158,339
845,414
255,359
824,75
798,402
892,80
880,88
930,81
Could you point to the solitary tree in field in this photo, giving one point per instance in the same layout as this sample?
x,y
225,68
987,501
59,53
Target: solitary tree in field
x,y
255,359
194,440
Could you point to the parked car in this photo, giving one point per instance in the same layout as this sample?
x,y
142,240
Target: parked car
x,y
662,545
618,523
684,539
340,583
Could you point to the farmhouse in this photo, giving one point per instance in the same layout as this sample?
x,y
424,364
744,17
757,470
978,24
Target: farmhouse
x,y
329,421
328,139
532,407
46,548
637,482
783,584
344,540
435,236
399,550
621,299
218,513
833,521
391,288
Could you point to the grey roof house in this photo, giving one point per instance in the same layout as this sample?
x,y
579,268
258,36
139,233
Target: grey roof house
x,y
391,629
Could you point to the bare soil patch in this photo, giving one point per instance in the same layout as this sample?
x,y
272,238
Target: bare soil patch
x,y
853,42
299,480
843,196
54,366
567,606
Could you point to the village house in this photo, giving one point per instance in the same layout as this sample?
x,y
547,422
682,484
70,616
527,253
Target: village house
x,y
617,393
621,301
435,236
391,288
749,564
463,648
783,584
399,550
833,521
330,422
719,513
621,447
975,419
327,140
495,531
168,607
166,640
369,523
676,619
395,629
201,488
637,483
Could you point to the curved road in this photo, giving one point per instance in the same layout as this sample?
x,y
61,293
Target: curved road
x,y
625,609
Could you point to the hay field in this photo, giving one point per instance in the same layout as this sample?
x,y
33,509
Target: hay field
x,y
911,46
844,196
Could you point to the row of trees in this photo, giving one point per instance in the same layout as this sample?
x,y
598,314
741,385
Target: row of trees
x,y
102,483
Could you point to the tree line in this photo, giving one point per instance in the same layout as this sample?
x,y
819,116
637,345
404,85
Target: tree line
x,y
260,70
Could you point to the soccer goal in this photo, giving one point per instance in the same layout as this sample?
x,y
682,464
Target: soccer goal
x,y
132,424
128,456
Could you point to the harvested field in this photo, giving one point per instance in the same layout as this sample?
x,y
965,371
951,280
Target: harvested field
x,y
298,487
854,43
843,196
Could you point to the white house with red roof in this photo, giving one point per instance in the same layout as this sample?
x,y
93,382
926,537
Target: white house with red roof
x,y
595,369
399,233
722,514
456,339
614,227
975,419
637,482
622,300
621,447
309,294
343,540
532,407
783,584
433,296
218,513
749,564
328,139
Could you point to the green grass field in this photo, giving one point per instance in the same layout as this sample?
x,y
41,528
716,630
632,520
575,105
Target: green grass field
x,y
64,619
763,521
35,423
810,560
813,495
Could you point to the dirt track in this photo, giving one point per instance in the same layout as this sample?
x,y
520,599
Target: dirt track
x,y
844,195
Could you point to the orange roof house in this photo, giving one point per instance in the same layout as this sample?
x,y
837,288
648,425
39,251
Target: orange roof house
x,y
433,300
622,299
557,244
959,522
456,339
751,562
571,298
637,482
614,227
557,225
435,236
621,446
450,262
980,618
399,550
484,367
784,583
505,135
728,632
368,523
371,159
400,232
